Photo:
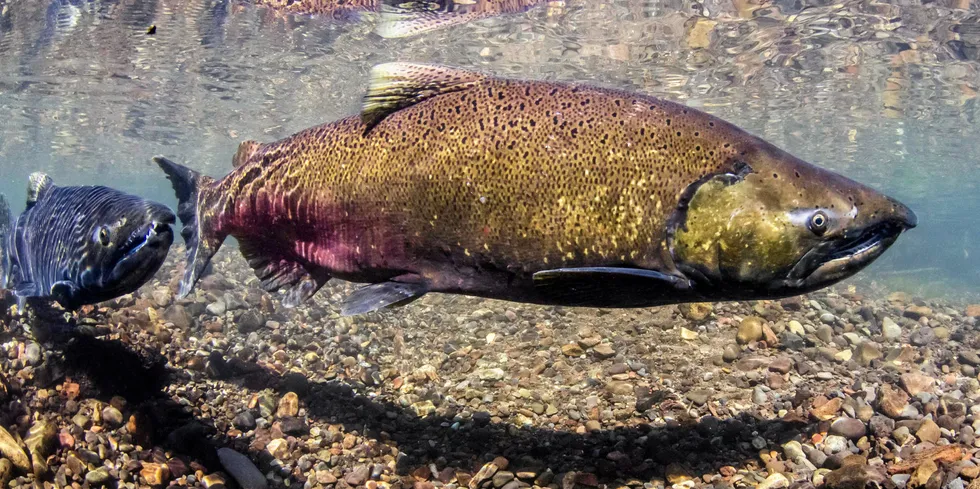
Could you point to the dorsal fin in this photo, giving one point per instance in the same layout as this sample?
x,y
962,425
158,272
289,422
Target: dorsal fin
x,y
38,186
406,19
245,151
395,86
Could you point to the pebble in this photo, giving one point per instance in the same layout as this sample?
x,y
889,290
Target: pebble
x,y
796,328
901,434
501,478
928,432
492,374
915,383
881,426
969,358
815,457
849,428
13,451
825,333
774,481
891,330
695,311
793,451
730,353
217,308
288,405
112,416
484,474
249,321
32,354
834,444
604,351
916,312
699,396
244,421
216,481
828,410
7,472
759,396
781,365
791,341
827,318
572,350
892,401
867,352
98,477
155,474
178,316
358,476
749,330
922,336
242,469
619,388
161,297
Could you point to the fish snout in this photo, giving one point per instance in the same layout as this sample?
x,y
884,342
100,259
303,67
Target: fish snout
x,y
160,226
163,215
904,216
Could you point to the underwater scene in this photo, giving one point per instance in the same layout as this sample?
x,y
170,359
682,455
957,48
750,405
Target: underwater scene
x,y
487,244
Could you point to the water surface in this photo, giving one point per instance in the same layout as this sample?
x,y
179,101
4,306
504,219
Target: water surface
x,y
885,93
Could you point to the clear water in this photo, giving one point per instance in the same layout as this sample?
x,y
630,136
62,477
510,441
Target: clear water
x,y
885,93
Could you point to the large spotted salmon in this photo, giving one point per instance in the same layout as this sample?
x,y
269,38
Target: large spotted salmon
x,y
459,182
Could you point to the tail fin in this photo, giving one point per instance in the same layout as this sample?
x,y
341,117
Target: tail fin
x,y
6,226
201,240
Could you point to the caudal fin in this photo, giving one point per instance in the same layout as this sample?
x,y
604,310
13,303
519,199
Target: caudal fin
x,y
201,240
6,224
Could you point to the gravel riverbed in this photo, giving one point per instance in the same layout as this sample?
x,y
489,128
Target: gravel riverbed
x,y
845,388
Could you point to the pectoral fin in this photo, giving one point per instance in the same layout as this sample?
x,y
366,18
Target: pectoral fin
x,y
276,272
609,286
380,295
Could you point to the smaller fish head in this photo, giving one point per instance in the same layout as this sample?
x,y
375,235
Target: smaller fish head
x,y
127,247
775,226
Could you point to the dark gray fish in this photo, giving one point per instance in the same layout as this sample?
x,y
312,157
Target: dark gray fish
x,y
81,245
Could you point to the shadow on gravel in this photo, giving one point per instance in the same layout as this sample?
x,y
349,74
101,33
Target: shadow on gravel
x,y
107,368
610,454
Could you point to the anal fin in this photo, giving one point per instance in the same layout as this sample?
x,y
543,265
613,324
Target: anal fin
x,y
609,286
377,296
276,272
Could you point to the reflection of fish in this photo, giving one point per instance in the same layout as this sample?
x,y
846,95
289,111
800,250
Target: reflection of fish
x,y
405,18
82,245
458,182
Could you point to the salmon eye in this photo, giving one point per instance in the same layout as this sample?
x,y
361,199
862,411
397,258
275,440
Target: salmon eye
x,y
104,236
818,223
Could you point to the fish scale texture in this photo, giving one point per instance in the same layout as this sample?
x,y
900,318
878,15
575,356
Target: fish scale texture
x,y
525,175
54,237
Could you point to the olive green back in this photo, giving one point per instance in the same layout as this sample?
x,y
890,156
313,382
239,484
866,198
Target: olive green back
x,y
528,174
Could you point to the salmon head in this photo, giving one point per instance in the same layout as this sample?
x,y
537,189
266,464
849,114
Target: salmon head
x,y
775,226
125,243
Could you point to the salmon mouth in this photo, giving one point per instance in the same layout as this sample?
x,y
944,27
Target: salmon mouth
x,y
145,250
843,257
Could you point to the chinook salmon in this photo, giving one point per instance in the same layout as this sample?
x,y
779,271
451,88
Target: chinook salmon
x,y
406,18
459,182
81,245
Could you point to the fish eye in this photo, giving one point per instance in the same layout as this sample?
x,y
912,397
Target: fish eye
x,y
818,223
104,236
